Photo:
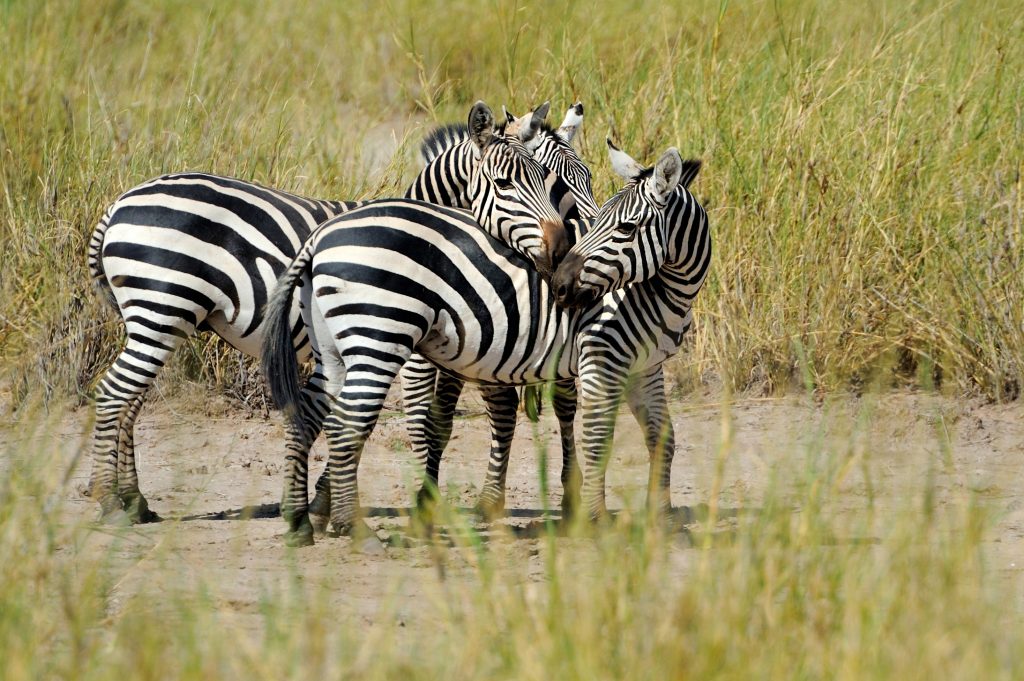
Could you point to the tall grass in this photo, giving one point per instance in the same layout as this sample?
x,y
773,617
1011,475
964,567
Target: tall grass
x,y
813,581
862,161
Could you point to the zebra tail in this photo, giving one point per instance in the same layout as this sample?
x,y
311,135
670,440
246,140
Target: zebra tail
x,y
280,364
99,277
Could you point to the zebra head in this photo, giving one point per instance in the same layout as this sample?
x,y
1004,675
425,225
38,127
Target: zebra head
x,y
553,149
509,195
628,241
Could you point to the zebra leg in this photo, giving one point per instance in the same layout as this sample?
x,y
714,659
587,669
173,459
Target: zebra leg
x,y
419,381
135,504
601,391
365,380
303,518
564,400
437,433
119,397
649,404
502,404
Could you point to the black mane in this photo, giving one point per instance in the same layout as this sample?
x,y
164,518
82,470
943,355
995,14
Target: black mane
x,y
446,136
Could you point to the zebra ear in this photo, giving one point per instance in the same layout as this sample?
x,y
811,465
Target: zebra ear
x,y
540,114
667,172
622,163
509,117
529,126
572,123
481,125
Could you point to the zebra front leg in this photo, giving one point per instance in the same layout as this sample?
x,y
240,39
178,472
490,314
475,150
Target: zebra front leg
x,y
649,404
601,392
502,404
564,400
134,503
437,433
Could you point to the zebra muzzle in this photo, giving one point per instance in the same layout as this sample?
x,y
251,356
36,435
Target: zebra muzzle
x,y
556,241
566,286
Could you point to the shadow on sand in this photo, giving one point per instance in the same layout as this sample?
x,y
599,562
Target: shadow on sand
x,y
688,524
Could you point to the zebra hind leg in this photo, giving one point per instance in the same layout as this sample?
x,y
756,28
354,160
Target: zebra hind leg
x,y
119,397
365,381
502,404
135,504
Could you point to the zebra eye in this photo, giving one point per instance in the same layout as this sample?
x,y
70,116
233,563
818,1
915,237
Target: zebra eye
x,y
503,182
628,228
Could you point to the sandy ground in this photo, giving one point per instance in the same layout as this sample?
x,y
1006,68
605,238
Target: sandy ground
x,y
215,478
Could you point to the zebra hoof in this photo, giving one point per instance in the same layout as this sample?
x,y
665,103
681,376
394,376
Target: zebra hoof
x,y
427,497
299,538
489,511
427,500
300,532
319,523
342,527
570,506
137,509
115,517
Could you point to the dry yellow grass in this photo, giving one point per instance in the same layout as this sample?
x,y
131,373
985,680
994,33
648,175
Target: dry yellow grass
x,y
862,164
863,176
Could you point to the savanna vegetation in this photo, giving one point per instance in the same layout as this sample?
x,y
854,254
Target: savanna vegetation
x,y
862,172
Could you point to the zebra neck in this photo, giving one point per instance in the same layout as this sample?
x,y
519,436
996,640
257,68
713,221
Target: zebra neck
x,y
444,181
575,228
677,283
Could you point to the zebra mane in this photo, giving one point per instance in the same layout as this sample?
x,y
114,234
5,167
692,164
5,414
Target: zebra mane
x,y
690,169
551,132
444,137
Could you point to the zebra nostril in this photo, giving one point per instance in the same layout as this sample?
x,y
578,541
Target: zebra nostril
x,y
562,291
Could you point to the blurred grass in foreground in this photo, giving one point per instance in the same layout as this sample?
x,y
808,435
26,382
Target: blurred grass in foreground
x,y
808,583
862,161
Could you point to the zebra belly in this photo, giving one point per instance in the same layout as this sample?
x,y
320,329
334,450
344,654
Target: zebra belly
x,y
508,360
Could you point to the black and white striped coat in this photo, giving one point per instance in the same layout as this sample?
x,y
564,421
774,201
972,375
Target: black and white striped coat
x,y
430,397
195,251
474,307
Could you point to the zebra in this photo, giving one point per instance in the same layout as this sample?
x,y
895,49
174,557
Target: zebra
x,y
194,251
564,395
421,380
479,311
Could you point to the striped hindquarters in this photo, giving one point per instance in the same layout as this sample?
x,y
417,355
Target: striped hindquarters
x,y
199,246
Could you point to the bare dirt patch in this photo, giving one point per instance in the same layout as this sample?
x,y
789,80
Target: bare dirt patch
x,y
215,477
